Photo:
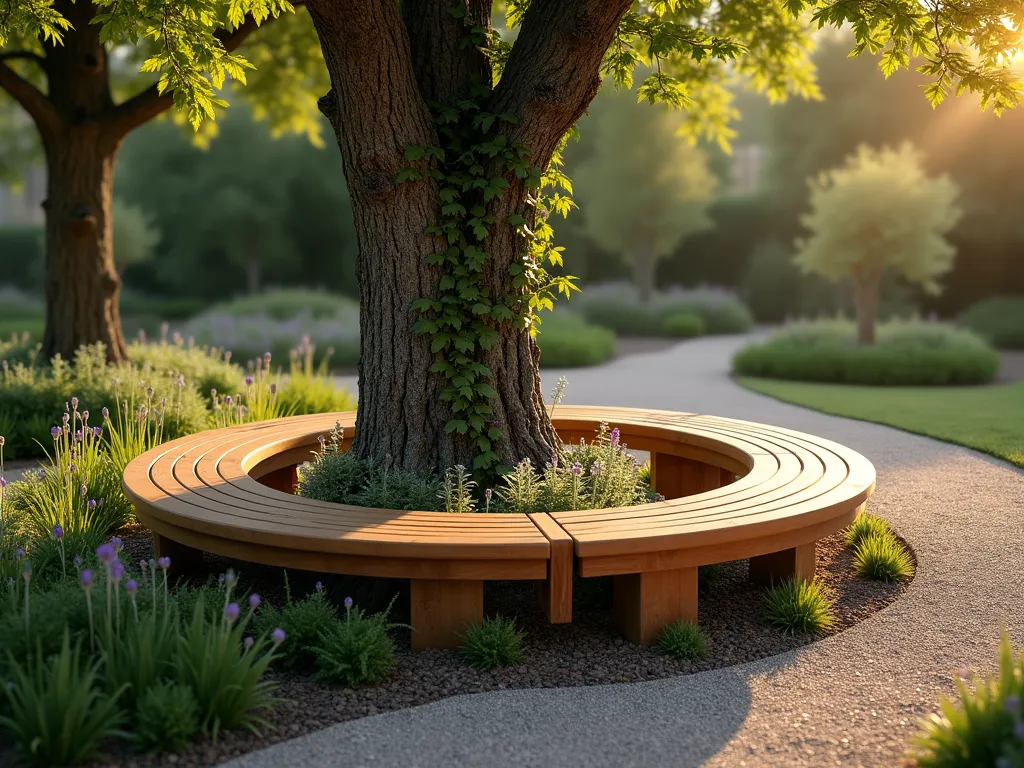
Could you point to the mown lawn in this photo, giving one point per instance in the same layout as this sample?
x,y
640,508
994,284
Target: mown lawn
x,y
988,419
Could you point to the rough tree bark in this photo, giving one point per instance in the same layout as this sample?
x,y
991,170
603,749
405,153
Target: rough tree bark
x,y
385,65
81,129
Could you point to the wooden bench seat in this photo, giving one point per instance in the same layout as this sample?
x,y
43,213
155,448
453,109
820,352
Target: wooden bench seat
x,y
741,490
735,490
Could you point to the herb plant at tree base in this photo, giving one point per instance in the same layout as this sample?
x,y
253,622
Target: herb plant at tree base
x,y
168,718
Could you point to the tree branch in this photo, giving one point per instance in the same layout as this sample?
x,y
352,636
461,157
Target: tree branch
x,y
553,72
446,68
150,103
24,56
31,99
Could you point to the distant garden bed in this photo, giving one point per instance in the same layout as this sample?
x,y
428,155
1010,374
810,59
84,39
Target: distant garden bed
x,y
905,354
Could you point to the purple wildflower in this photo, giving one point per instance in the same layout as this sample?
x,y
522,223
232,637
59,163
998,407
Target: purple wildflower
x,y
105,412
106,554
266,358
576,468
92,503
229,400
319,586
72,468
97,431
278,636
1018,730
116,542
273,389
248,381
131,586
595,468
248,643
2,441
164,563
254,601
231,612
77,562
55,432
1012,703
348,602
19,554
229,577
615,436
74,403
85,415
227,356
3,482
58,532
116,571
85,490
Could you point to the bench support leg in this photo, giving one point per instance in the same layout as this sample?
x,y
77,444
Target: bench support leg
x,y
183,559
284,479
797,562
440,609
646,602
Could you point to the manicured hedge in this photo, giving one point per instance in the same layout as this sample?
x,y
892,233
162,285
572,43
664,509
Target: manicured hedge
x,y
906,353
999,321
618,308
568,341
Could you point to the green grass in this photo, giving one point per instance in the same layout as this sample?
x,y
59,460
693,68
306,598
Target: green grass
x,y
989,419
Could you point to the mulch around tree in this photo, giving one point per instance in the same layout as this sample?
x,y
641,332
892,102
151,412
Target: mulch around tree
x,y
588,651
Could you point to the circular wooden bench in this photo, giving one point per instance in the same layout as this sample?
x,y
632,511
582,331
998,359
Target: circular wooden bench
x,y
734,490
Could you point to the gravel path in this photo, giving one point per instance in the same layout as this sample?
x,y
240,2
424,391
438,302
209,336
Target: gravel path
x,y
853,699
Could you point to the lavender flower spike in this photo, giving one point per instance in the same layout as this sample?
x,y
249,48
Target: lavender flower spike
x,y
231,612
278,636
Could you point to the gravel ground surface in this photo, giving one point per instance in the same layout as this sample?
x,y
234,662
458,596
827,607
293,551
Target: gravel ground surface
x,y
851,699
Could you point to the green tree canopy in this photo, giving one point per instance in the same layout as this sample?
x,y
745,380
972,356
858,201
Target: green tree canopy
x,y
644,188
879,211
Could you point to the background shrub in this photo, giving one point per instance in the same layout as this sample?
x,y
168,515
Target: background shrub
x,y
618,307
798,607
569,341
683,640
682,325
492,643
998,321
906,354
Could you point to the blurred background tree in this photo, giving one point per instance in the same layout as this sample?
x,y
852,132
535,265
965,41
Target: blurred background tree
x,y
135,235
879,211
644,189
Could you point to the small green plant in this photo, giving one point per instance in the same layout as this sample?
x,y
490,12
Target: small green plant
x,y
683,640
797,607
884,558
224,668
986,726
456,492
864,526
358,649
492,643
167,717
304,621
59,713
682,325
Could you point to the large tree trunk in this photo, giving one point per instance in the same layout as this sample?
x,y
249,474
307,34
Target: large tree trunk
x,y
644,266
866,287
82,284
383,73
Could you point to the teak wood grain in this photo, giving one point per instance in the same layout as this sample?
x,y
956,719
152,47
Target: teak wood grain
x,y
734,490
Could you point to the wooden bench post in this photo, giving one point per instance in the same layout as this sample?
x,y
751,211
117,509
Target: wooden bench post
x,y
797,562
556,590
646,602
441,609
183,558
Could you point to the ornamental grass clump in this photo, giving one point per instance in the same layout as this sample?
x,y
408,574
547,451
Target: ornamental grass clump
x,y
985,727
799,607
358,649
864,526
494,642
304,621
683,640
167,717
59,713
883,557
